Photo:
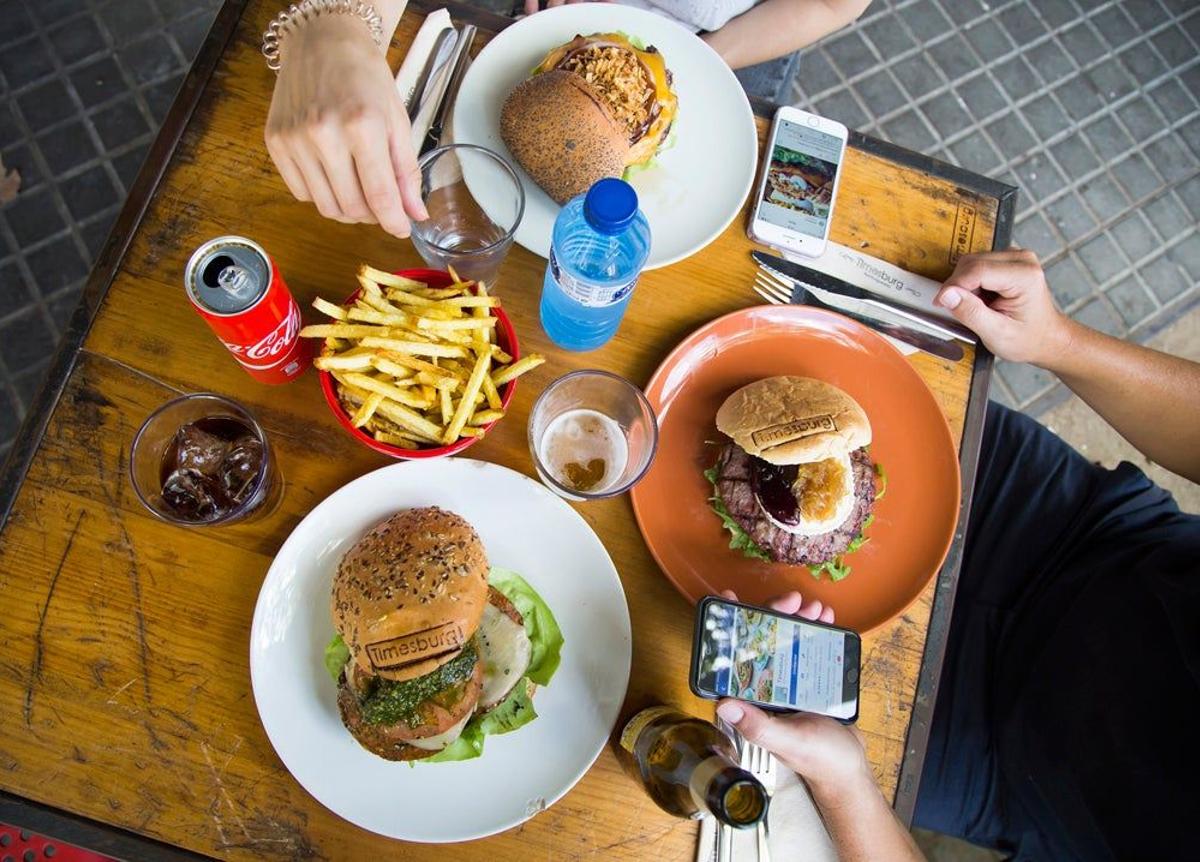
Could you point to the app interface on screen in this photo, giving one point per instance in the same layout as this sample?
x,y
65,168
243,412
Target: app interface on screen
x,y
799,188
756,656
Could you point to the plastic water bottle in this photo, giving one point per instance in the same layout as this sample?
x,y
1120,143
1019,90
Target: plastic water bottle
x,y
600,244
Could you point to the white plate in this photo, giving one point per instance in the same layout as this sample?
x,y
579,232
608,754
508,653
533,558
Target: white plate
x,y
525,528
694,189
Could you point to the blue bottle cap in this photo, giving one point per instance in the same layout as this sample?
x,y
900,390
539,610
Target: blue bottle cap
x,y
610,205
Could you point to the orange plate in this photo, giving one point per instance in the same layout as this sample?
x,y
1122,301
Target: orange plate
x,y
915,520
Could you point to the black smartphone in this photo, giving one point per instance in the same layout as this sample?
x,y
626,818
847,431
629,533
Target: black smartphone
x,y
776,661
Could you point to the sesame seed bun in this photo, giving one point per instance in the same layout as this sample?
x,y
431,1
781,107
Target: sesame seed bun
x,y
410,594
562,134
794,420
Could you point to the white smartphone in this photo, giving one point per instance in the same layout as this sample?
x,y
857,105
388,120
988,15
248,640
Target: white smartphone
x,y
794,205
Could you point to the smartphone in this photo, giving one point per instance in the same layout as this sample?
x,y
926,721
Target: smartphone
x,y
779,662
794,204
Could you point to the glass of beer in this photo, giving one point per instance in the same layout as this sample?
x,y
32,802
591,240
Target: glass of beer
x,y
475,202
592,435
203,460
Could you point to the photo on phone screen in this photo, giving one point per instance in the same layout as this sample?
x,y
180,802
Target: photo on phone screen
x,y
798,192
775,660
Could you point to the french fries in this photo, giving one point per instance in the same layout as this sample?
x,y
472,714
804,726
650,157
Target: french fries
x,y
416,366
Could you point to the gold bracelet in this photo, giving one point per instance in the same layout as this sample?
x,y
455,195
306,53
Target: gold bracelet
x,y
298,13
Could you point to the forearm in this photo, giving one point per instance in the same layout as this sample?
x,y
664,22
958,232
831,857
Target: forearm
x,y
1151,398
863,827
779,27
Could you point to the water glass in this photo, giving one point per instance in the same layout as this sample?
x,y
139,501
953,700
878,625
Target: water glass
x,y
592,401
475,202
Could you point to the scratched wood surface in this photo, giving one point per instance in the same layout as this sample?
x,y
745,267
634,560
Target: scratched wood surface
x,y
124,682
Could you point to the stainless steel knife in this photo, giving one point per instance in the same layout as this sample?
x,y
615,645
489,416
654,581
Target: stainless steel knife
x,y
863,301
462,56
443,47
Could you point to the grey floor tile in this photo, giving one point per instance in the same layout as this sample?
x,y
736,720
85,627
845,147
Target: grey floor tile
x,y
1069,283
1035,234
88,193
1046,117
77,40
1102,258
1166,278
1115,27
916,76
1174,46
925,20
946,113
56,265
1189,194
1039,177
1132,301
1079,98
981,96
14,290
160,96
10,419
954,57
1171,159
128,164
126,20
1136,176
1143,61
1167,216
46,104
1025,381
1071,217
975,153
1082,43
62,305
908,130
95,232
817,74
34,216
1022,23
149,58
1011,135
189,32
889,38
25,340
1016,78
1108,138
880,93
26,62
1173,99
988,39
850,54
1187,255
1110,80
1050,61
1105,197
1135,237
119,123
15,23
27,384
1099,314
841,106
66,147
1074,156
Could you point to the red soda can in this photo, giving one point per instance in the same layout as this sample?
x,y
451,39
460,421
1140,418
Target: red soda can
x,y
239,292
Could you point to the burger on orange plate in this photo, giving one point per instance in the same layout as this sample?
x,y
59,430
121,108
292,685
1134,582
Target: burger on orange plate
x,y
797,484
592,108
434,649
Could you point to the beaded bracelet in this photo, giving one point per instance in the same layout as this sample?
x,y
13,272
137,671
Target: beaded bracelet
x,y
298,13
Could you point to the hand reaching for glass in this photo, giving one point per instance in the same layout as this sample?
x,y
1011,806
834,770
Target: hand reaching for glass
x,y
338,131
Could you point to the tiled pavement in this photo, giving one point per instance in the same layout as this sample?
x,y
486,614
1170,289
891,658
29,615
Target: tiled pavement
x,y
1090,106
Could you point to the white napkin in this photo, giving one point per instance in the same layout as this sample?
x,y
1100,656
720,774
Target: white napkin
x,y
797,831
414,62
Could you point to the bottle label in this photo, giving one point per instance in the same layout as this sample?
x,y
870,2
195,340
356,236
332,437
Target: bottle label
x,y
638,723
586,293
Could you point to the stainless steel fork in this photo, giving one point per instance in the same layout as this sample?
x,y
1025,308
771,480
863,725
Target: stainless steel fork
x,y
761,764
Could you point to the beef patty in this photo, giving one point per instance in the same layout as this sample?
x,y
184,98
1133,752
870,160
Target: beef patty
x,y
734,489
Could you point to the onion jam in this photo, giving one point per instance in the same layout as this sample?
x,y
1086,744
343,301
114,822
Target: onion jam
x,y
790,492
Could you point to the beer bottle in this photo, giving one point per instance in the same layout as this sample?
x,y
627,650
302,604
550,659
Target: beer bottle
x,y
690,768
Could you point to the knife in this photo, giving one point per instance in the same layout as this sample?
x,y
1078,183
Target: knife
x,y
809,277
441,52
462,56
805,294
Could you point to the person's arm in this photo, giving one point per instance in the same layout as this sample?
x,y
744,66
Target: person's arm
x,y
338,130
775,28
1151,398
831,759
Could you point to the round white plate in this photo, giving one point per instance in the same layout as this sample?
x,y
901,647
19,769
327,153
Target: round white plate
x,y
525,528
694,189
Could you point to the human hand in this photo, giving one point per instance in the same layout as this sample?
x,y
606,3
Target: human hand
x,y
338,131
1003,298
829,755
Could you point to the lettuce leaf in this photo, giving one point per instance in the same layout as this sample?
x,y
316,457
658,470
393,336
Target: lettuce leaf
x,y
740,540
540,625
336,656
835,568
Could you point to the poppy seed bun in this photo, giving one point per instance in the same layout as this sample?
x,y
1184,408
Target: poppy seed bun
x,y
562,135
410,593
794,420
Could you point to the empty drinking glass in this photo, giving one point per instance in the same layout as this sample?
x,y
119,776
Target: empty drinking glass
x,y
592,435
475,203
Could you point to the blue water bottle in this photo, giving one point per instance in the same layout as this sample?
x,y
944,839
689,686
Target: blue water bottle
x,y
599,246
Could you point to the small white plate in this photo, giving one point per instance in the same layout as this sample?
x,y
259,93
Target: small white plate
x,y
525,528
695,188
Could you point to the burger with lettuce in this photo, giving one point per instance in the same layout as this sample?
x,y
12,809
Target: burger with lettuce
x,y
434,649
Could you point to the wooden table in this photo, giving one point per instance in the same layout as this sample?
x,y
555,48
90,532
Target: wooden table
x,y
127,717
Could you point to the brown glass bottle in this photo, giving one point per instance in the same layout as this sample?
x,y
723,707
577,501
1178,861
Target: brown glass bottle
x,y
690,768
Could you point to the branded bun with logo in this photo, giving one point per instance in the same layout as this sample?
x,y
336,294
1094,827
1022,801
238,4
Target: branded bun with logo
x,y
434,649
797,484
592,108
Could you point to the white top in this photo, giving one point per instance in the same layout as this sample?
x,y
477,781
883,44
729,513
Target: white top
x,y
695,14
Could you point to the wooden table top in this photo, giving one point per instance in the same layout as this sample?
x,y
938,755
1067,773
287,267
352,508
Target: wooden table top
x,y
124,679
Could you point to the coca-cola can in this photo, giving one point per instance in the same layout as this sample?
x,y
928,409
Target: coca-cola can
x,y
237,289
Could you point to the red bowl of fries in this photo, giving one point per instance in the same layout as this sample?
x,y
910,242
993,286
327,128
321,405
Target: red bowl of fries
x,y
431,363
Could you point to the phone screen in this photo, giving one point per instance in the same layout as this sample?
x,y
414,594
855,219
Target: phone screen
x,y
776,660
798,192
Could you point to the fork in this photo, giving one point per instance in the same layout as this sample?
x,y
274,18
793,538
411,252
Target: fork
x,y
776,292
761,764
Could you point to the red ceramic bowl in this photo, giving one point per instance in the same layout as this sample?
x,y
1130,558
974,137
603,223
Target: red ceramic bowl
x,y
506,337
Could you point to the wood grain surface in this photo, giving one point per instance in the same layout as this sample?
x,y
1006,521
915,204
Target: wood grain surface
x,y
124,681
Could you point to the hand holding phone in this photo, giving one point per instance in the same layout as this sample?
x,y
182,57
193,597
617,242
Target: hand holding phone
x,y
794,205
774,660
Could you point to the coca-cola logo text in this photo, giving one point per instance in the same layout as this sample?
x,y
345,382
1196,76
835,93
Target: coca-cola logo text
x,y
270,346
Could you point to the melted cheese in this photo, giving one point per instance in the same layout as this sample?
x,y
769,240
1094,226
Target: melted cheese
x,y
505,650
815,527
441,740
